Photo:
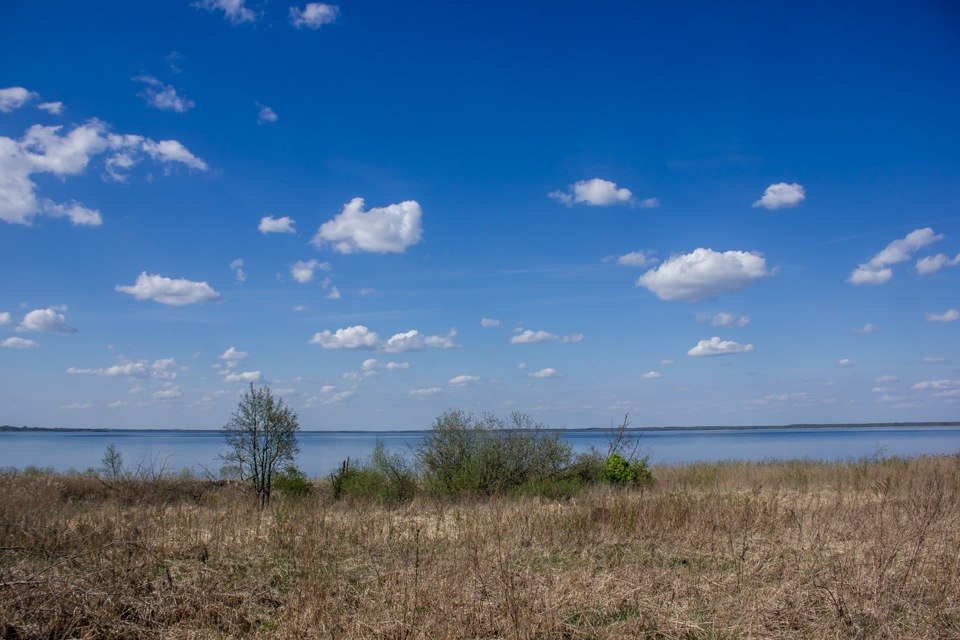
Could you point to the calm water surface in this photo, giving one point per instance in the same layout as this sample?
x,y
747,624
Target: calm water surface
x,y
322,452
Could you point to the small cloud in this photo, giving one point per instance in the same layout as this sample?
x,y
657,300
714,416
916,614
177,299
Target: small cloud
x,y
651,375
14,97
932,264
490,323
867,328
724,319
332,294
934,360
717,347
463,381
634,259
649,203
237,266
175,292
594,193
266,114
413,340
936,385
142,369
234,11
876,271
522,366
5,318
845,362
572,338
314,15
887,379
233,355
431,391
703,274
53,108
548,372
950,315
356,337
169,392
667,362
303,271
390,229
243,376
19,343
269,224
781,195
45,321
532,337
163,96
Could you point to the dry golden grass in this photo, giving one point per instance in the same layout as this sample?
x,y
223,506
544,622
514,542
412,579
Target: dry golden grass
x,y
790,550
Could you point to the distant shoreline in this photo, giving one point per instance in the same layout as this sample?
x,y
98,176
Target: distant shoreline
x,y
863,425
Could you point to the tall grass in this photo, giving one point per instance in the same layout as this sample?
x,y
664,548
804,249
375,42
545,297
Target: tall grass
x,y
735,550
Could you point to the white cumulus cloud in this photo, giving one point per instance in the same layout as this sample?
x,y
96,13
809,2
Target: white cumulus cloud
x,y
845,362
430,391
269,224
45,149
19,343
717,347
14,97
159,369
415,341
651,375
5,318
314,15
703,274
390,229
867,328
357,337
233,355
303,270
532,337
266,114
950,315
932,264
243,376
45,321
463,381
490,323
595,193
724,319
634,259
172,291
163,96
234,10
877,270
548,372
780,195
53,108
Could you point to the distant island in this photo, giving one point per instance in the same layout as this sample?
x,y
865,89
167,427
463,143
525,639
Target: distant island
x,y
861,425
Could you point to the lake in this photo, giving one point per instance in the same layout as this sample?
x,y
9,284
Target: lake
x,y
322,452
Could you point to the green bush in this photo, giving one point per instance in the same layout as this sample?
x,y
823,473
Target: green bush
x,y
292,482
386,476
466,455
619,471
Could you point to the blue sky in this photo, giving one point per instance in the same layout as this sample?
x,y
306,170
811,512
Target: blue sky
x,y
694,212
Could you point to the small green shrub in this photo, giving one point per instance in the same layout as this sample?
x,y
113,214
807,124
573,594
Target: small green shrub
x,y
292,482
619,471
386,477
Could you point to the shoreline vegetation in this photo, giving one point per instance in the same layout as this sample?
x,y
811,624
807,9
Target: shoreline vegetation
x,y
857,425
789,549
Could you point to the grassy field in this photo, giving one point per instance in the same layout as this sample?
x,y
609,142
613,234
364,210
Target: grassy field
x,y
791,550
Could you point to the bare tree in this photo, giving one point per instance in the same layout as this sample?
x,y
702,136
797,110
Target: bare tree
x,y
262,435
